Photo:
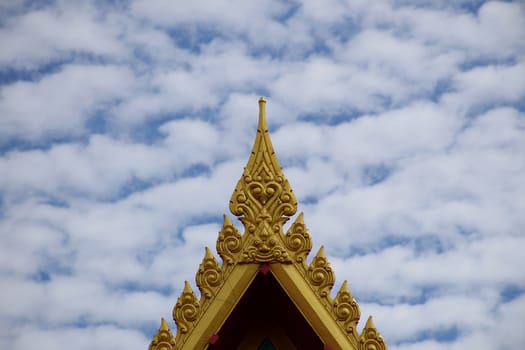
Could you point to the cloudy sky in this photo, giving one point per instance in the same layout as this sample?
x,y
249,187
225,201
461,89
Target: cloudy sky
x,y
125,125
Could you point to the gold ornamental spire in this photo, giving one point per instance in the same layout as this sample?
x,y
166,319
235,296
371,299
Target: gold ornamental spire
x,y
263,199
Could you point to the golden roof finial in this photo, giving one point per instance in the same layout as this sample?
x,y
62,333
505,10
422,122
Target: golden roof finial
x,y
262,114
263,199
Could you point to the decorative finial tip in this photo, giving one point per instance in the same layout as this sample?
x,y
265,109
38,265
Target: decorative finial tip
x,y
262,115
344,286
164,325
187,287
370,323
207,253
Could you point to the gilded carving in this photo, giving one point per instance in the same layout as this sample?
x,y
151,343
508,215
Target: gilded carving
x,y
186,311
321,276
345,309
229,242
264,252
263,199
298,241
370,338
209,276
163,340
264,245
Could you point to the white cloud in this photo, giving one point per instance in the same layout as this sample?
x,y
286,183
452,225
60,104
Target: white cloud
x,y
102,337
482,87
61,103
207,18
44,35
494,32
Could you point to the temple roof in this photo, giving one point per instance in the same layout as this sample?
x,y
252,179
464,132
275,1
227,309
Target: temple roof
x,y
275,261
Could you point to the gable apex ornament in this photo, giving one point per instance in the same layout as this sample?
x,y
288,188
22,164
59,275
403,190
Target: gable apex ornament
x,y
263,201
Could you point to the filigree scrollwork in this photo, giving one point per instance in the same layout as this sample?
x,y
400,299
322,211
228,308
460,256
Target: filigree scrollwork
x,y
346,309
263,194
370,338
229,242
298,241
186,311
321,276
209,276
164,339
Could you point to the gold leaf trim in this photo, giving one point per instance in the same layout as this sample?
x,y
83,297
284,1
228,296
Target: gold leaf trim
x,y
209,276
298,241
321,276
345,309
229,242
186,312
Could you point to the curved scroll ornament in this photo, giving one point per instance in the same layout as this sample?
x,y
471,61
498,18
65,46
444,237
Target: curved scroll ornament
x,y
229,242
163,340
298,241
346,309
209,276
263,199
321,276
186,311
370,338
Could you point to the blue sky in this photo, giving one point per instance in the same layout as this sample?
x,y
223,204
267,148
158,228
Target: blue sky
x,y
124,126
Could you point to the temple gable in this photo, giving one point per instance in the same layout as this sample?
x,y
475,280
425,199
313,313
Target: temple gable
x,y
264,294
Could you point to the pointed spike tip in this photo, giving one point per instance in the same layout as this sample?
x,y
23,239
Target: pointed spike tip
x,y
344,286
187,287
320,253
163,325
207,253
227,221
370,323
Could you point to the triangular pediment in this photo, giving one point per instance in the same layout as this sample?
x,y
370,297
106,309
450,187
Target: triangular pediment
x,y
265,317
264,293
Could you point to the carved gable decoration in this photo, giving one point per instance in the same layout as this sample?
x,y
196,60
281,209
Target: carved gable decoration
x,y
266,256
